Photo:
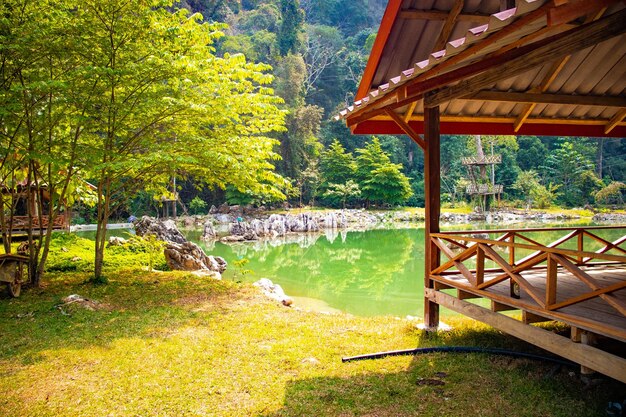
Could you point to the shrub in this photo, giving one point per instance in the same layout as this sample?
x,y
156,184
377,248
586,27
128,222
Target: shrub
x,y
611,194
197,206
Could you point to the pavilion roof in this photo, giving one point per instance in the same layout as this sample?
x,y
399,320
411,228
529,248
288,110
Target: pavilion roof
x,y
535,67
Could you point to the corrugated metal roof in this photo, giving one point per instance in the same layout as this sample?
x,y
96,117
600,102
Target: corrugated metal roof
x,y
407,54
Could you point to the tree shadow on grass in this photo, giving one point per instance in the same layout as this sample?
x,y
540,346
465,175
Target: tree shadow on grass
x,y
454,384
133,304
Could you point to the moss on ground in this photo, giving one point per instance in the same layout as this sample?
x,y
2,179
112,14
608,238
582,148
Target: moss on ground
x,y
171,343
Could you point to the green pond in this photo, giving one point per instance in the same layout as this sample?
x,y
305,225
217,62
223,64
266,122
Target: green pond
x,y
365,273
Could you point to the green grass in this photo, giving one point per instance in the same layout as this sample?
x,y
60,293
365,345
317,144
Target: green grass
x,y
173,344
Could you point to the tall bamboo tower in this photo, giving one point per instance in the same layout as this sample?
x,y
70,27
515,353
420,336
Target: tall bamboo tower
x,y
482,186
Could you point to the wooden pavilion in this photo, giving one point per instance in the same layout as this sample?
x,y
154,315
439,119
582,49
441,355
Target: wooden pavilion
x,y
36,200
525,67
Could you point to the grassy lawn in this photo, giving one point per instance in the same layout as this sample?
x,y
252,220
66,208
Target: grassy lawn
x,y
174,344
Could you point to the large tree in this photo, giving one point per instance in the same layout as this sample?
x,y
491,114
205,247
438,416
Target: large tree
x,y
379,179
131,93
43,101
166,106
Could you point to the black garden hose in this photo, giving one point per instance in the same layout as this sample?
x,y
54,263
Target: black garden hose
x,y
459,349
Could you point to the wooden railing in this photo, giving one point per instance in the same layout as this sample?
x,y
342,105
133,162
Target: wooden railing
x,y
20,223
550,260
485,160
483,189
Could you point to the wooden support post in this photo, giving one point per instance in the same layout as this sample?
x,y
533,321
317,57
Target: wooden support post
x,y
480,266
551,281
575,334
464,295
581,246
512,249
528,317
496,306
432,194
514,290
586,338
442,286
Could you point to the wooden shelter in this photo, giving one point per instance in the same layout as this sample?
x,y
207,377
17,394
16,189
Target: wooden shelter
x,y
35,200
527,67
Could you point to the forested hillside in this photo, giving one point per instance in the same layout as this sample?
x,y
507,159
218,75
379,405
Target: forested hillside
x,y
318,50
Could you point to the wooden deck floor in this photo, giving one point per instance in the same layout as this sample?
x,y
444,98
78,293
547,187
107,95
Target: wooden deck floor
x,y
594,315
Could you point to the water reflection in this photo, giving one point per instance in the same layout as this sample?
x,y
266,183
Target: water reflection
x,y
362,272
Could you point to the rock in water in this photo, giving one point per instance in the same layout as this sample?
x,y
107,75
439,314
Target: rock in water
x,y
209,231
243,229
190,257
164,230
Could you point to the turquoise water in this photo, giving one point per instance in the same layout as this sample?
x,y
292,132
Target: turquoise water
x,y
362,272
365,273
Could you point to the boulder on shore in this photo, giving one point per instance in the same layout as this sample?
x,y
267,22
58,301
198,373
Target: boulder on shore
x,y
273,291
181,254
164,230
190,257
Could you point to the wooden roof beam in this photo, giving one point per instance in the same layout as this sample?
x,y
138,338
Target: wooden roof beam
x,y
448,25
537,54
500,119
443,15
545,83
416,88
473,50
409,111
416,137
364,113
575,9
538,98
549,78
615,120
393,6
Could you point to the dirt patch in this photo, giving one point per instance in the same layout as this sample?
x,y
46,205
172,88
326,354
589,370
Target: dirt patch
x,y
77,301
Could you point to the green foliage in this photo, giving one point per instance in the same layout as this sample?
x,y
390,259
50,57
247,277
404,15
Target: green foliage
x,y
289,34
130,94
379,179
588,184
370,158
236,197
197,206
300,145
611,194
387,185
337,165
148,244
240,268
527,183
290,76
532,152
343,192
543,197
565,166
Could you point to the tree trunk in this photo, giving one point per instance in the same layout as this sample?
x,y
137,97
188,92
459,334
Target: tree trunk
x,y
103,217
6,227
481,155
600,156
